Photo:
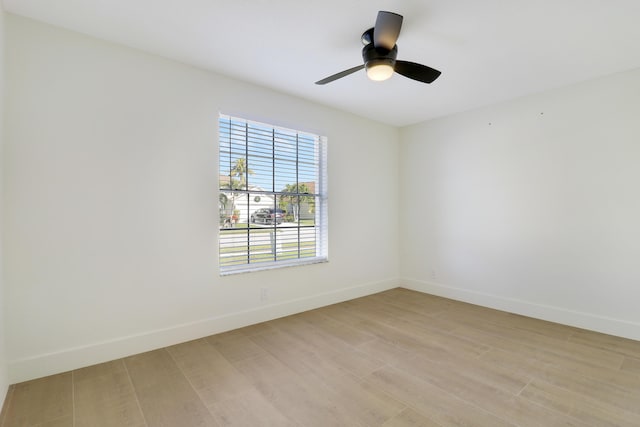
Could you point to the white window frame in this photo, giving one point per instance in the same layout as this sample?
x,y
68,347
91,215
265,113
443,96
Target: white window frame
x,y
233,241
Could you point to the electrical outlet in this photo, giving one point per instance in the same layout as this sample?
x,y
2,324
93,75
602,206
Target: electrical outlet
x,y
433,274
264,294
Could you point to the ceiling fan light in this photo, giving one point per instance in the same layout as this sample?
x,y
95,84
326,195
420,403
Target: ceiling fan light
x,y
379,72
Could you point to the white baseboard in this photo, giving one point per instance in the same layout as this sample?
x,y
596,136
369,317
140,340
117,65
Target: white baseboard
x,y
607,325
73,358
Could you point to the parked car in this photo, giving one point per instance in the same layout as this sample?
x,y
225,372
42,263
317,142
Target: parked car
x,y
267,216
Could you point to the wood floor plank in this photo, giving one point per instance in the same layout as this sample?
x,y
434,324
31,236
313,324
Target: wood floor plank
x,y
306,402
619,345
602,391
388,313
414,302
441,406
385,351
553,345
60,422
212,376
342,331
364,404
578,406
165,395
410,418
449,342
435,323
327,346
400,338
370,309
533,356
104,396
549,329
41,401
236,348
462,310
540,367
255,329
468,314
484,391
419,309
624,393
296,355
426,316
495,376
249,409
631,365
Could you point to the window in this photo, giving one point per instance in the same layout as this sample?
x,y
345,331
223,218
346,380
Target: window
x,y
272,196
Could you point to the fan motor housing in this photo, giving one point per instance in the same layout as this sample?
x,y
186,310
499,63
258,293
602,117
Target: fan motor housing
x,y
373,56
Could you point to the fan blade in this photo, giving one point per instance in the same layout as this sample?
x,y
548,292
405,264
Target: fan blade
x,y
414,71
387,29
339,75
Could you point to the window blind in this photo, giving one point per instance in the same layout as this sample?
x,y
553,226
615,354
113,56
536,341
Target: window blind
x,y
272,196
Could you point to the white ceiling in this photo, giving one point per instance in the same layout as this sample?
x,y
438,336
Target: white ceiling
x,y
488,50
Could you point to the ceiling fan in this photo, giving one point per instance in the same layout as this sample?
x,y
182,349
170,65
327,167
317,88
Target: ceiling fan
x,y
380,51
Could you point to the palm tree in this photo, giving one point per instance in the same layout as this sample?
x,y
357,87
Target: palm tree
x,y
241,171
298,194
237,181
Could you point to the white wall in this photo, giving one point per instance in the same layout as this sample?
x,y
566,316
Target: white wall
x,y
531,206
111,213
4,382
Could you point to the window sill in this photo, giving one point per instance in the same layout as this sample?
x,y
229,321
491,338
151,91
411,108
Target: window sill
x,y
250,268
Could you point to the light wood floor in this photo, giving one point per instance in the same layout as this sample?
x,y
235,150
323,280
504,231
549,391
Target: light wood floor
x,y
398,358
